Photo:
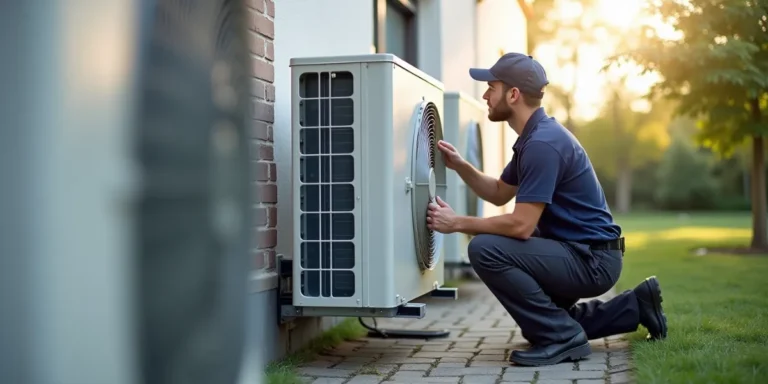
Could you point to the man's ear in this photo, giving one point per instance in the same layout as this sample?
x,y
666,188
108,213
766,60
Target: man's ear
x,y
513,95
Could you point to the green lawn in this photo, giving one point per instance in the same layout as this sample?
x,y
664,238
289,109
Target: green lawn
x,y
716,305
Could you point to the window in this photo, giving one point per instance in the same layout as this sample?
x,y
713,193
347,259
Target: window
x,y
395,28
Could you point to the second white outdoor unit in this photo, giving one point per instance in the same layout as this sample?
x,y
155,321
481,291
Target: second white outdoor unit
x,y
464,117
365,167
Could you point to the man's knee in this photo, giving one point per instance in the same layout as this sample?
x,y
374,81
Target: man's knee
x,y
484,252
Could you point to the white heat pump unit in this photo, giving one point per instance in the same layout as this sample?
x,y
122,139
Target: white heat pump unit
x,y
464,117
365,167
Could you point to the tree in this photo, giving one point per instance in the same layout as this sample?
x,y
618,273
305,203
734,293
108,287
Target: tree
x,y
570,31
684,177
621,140
717,69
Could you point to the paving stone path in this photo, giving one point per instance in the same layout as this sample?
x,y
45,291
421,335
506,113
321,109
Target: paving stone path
x,y
482,337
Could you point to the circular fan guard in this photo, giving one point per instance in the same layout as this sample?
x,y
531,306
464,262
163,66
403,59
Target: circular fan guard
x,y
474,153
429,180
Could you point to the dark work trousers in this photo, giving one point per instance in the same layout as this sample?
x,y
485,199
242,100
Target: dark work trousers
x,y
539,281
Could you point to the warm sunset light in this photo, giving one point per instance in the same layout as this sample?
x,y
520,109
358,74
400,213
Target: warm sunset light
x,y
604,28
621,14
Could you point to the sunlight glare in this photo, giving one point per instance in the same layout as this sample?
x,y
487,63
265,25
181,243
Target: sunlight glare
x,y
621,13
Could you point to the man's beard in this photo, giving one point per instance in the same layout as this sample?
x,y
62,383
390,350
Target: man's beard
x,y
502,112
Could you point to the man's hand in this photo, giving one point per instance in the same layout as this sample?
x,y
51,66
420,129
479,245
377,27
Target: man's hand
x,y
441,217
451,156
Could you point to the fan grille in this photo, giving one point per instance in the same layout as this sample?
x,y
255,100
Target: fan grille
x,y
429,181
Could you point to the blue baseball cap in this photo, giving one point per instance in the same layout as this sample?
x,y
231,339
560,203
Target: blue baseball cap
x,y
515,70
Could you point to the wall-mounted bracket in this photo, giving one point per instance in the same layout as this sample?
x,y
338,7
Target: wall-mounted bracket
x,y
445,293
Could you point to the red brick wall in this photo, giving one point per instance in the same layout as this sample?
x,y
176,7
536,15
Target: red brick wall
x,y
261,16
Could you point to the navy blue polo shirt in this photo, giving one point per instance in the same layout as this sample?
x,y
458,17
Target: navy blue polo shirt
x,y
550,166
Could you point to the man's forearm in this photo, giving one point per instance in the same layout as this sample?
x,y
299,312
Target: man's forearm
x,y
485,187
503,225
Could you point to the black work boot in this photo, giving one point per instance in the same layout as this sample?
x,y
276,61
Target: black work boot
x,y
649,305
575,349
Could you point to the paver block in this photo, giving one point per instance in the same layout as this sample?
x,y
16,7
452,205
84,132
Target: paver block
x,y
465,371
506,322
517,376
358,359
383,349
571,375
486,345
379,369
554,381
465,355
489,363
411,342
374,341
406,360
366,379
465,350
493,351
434,348
621,353
457,339
479,379
351,365
409,374
368,353
307,379
497,332
462,344
619,368
620,378
462,360
590,381
415,367
325,372
596,357
616,361
592,367
451,365
498,357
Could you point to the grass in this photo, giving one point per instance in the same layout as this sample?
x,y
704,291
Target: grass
x,y
284,370
716,305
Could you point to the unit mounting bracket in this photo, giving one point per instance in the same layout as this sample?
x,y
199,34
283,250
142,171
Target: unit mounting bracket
x,y
286,311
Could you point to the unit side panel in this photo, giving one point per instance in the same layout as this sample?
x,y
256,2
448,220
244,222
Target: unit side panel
x,y
408,91
472,113
383,156
326,127
451,129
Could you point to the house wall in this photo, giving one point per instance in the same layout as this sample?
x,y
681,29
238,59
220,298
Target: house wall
x,y
449,42
475,34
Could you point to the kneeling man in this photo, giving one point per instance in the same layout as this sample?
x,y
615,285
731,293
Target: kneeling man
x,y
560,244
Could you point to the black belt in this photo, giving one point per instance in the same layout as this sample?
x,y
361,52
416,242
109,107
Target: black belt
x,y
609,245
